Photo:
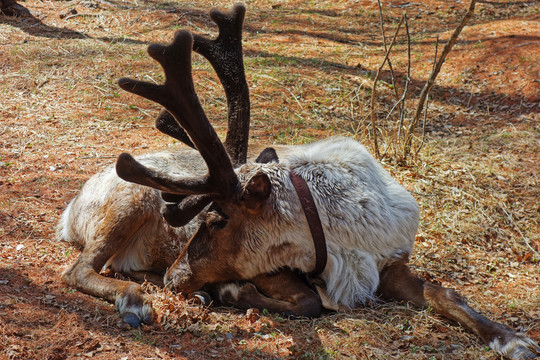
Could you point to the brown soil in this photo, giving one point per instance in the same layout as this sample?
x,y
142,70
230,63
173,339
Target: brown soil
x,y
310,67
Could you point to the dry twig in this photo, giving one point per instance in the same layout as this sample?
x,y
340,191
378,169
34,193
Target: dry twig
x,y
422,142
407,81
392,77
373,91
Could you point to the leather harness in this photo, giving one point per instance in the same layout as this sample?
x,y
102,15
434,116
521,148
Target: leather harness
x,y
314,222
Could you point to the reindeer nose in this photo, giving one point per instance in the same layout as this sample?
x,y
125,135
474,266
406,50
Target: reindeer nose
x,y
168,280
177,276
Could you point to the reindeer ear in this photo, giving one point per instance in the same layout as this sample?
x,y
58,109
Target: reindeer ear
x,y
268,155
256,191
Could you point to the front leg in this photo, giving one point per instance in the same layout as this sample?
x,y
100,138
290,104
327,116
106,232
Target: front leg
x,y
284,292
289,293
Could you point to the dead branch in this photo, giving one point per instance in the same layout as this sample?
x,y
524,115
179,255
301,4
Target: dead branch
x,y
431,80
373,91
407,81
427,103
392,77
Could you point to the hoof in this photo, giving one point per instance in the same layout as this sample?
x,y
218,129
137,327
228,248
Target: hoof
x,y
138,317
289,315
518,347
201,298
135,309
132,319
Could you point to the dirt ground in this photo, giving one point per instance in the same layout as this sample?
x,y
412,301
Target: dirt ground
x,y
310,66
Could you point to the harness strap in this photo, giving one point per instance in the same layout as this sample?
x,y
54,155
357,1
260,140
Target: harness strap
x,y
314,222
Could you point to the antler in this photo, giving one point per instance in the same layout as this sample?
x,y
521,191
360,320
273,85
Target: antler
x,y
178,96
225,55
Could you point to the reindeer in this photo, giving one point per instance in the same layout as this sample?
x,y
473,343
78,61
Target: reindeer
x,y
119,225
251,244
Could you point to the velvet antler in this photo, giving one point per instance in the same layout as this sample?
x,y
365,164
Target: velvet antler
x,y
178,96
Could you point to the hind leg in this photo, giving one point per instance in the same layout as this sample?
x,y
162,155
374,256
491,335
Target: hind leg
x,y
132,304
398,283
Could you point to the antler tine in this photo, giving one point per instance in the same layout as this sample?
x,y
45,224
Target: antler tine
x,y
131,170
178,96
225,55
167,124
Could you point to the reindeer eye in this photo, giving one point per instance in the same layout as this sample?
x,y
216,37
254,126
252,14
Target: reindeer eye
x,y
216,219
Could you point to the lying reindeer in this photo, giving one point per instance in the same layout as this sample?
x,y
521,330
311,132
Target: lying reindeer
x,y
119,225
255,228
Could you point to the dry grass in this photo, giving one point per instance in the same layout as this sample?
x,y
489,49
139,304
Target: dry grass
x,y
310,69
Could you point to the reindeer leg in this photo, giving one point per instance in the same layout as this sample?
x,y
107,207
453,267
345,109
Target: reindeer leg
x,y
142,276
132,305
398,283
283,292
